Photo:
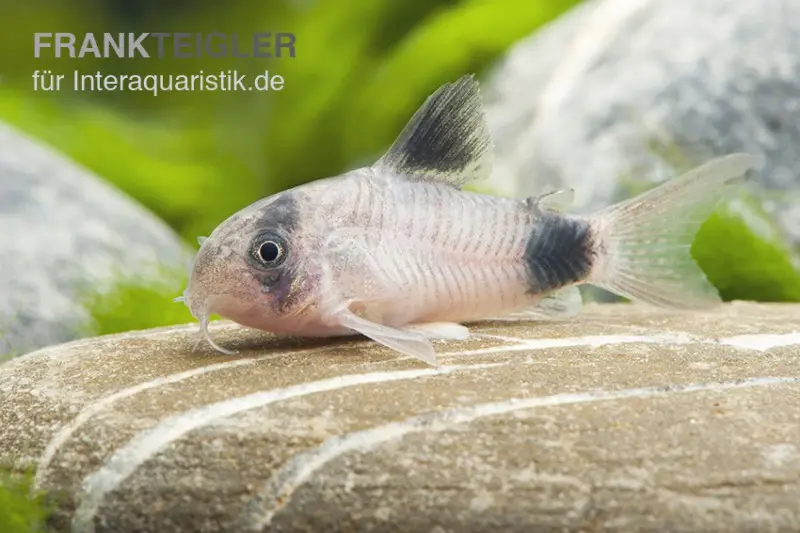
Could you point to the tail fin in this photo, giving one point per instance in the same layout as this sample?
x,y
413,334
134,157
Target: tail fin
x,y
644,243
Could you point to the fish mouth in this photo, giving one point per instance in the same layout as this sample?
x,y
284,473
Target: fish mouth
x,y
202,314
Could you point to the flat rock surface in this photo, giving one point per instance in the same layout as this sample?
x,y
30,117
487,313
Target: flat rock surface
x,y
66,236
625,419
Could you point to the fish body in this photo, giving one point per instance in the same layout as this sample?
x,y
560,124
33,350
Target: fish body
x,y
400,253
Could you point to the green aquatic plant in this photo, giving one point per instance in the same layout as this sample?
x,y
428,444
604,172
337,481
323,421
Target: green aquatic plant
x,y
137,303
135,306
745,256
20,512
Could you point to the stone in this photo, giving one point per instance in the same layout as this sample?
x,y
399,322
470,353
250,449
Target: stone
x,y
625,418
615,96
66,235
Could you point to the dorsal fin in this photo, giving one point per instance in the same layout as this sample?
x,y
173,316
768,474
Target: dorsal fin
x,y
446,140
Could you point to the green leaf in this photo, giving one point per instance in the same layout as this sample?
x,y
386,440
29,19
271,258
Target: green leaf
x,y
20,512
745,256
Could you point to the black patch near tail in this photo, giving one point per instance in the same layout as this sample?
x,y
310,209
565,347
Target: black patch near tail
x,y
559,251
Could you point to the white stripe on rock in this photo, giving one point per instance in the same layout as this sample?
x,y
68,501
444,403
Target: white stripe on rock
x,y
99,405
147,444
278,491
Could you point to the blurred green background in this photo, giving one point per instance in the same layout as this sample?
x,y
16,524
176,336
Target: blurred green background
x,y
362,68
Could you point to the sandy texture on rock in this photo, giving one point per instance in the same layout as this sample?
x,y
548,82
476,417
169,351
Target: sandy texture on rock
x,y
625,419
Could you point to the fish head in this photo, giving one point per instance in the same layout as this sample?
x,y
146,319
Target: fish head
x,y
253,269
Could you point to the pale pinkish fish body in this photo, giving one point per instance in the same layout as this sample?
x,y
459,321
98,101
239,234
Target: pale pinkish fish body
x,y
400,253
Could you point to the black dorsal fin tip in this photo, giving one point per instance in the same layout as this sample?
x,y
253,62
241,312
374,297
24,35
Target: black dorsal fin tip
x,y
446,140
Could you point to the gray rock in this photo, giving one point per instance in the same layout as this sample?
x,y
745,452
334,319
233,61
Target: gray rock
x,y
623,419
65,235
618,95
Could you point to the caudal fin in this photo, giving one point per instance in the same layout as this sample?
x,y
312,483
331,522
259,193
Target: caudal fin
x,y
644,243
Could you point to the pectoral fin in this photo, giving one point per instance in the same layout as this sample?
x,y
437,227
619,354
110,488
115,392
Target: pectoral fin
x,y
446,140
408,342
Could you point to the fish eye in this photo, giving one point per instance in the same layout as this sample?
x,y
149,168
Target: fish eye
x,y
268,250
